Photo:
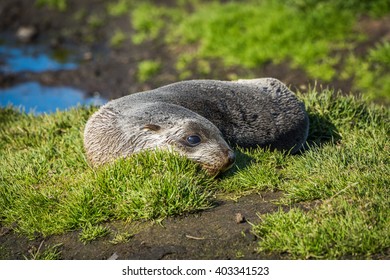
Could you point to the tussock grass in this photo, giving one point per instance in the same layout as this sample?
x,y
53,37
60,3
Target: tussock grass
x,y
47,187
350,178
268,31
314,36
49,253
256,170
147,69
61,5
92,232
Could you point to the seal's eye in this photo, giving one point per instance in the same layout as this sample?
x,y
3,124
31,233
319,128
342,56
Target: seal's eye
x,y
193,140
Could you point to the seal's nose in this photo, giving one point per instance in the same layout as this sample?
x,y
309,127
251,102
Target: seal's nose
x,y
230,160
231,157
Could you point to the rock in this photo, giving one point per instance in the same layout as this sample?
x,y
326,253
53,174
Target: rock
x,y
113,257
240,218
26,34
87,56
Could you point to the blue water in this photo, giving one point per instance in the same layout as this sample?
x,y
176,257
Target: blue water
x,y
33,97
30,59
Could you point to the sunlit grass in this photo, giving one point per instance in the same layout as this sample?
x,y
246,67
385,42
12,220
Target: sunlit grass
x,y
147,69
47,186
348,178
313,36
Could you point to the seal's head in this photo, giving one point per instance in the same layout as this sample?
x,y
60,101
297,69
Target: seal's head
x,y
110,134
201,143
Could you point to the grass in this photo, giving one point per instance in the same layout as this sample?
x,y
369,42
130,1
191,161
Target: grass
x,y
119,7
337,191
92,232
49,253
60,5
147,69
95,21
117,38
309,35
350,178
47,187
372,72
148,20
122,238
313,36
213,27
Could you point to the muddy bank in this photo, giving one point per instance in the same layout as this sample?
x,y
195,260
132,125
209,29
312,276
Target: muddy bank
x,y
111,71
220,233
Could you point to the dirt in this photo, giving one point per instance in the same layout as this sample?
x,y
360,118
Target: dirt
x,y
223,232
211,234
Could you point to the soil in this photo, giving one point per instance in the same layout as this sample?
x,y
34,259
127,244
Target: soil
x,y
211,234
223,232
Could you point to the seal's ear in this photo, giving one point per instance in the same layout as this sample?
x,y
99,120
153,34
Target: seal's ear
x,y
151,127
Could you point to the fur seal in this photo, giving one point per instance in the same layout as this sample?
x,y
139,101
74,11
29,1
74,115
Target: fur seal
x,y
197,119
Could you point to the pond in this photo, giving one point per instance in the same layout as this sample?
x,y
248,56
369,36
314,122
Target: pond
x,y
34,59
36,98
31,96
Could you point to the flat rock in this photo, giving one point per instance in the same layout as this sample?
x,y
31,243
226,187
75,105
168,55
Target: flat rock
x,y
26,34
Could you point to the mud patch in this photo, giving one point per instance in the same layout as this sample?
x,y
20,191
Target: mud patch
x,y
212,234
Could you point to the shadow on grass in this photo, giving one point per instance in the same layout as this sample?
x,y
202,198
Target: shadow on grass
x,y
321,131
242,161
8,114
